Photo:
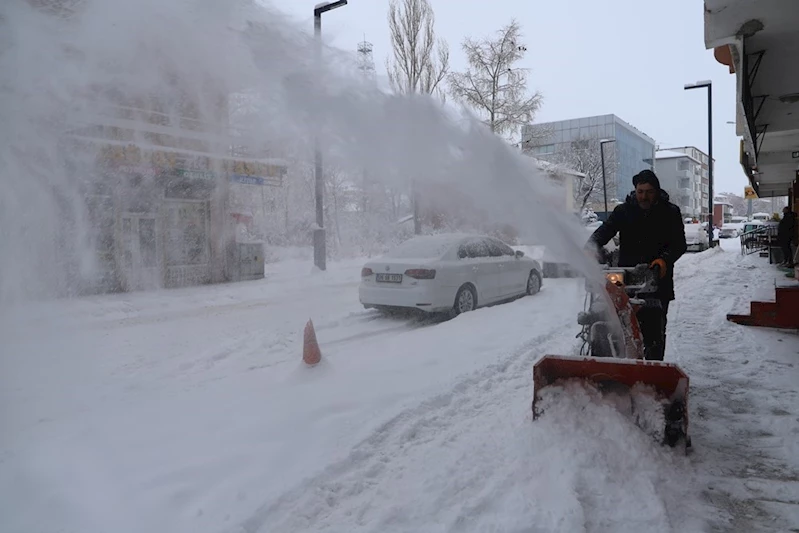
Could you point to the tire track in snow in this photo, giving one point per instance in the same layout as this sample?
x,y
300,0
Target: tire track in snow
x,y
368,460
472,459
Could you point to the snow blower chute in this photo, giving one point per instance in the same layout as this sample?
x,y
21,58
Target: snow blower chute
x,y
621,355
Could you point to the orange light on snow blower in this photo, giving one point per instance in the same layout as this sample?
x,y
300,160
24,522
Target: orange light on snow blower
x,y
616,278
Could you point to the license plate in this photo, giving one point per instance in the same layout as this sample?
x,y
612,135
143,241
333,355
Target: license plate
x,y
389,278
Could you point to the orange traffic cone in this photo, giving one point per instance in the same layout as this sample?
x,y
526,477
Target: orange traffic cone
x,y
311,354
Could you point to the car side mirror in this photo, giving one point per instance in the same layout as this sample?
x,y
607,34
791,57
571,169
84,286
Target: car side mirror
x,y
519,254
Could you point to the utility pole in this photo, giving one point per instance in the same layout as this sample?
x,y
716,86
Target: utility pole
x,y
709,86
319,244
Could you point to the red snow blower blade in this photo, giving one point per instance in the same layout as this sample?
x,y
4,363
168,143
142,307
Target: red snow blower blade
x,y
621,355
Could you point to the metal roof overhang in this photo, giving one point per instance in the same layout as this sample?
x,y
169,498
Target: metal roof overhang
x,y
763,41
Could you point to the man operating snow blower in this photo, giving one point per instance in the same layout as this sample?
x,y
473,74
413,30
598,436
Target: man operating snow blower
x,y
650,231
626,359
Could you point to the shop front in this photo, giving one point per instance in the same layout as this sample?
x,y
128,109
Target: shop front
x,y
155,224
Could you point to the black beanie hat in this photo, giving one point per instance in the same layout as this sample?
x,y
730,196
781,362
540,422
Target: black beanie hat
x,y
646,176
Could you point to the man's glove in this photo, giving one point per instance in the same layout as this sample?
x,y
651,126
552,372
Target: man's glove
x,y
660,263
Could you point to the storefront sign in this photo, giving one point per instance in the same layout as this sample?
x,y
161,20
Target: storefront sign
x,y
256,180
193,174
131,159
247,180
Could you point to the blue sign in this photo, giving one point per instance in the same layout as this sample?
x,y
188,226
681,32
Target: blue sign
x,y
247,180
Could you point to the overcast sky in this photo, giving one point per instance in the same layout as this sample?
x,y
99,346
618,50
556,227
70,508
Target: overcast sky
x,y
627,57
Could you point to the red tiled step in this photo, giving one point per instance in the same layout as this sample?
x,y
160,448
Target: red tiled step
x,y
783,312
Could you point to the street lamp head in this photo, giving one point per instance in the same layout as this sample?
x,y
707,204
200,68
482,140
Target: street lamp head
x,y
698,85
324,7
603,141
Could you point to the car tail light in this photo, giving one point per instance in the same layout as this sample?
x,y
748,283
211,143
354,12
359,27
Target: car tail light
x,y
420,273
366,272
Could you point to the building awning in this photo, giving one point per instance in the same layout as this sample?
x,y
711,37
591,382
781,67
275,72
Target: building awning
x,y
723,55
759,41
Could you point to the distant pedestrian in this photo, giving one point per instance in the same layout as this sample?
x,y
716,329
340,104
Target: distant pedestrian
x,y
786,236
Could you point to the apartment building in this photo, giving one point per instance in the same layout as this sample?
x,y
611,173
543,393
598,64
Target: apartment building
x,y
680,177
630,151
701,174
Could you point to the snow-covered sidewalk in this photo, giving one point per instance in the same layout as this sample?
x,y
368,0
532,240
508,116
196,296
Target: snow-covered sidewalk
x,y
189,410
744,405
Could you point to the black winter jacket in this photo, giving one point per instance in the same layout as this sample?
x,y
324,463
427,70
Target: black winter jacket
x,y
646,235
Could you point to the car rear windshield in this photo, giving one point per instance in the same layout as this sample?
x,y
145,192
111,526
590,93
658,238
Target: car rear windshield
x,y
421,247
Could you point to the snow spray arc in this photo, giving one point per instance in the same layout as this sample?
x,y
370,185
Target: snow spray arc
x,y
234,62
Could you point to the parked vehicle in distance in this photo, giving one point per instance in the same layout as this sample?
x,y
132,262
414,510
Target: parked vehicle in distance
x,y
450,272
730,230
696,237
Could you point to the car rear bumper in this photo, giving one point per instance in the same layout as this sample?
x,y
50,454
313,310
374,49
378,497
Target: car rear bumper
x,y
373,295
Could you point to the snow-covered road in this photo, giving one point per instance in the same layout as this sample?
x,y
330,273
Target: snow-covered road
x,y
190,410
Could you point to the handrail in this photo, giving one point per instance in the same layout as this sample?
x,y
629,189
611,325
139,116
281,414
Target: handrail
x,y
758,239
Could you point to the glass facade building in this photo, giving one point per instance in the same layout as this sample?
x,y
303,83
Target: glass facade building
x,y
633,150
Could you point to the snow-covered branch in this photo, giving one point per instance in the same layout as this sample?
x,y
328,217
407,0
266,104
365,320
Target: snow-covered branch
x,y
492,85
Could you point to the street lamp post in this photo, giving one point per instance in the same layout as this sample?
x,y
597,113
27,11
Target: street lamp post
x,y
709,85
604,182
319,245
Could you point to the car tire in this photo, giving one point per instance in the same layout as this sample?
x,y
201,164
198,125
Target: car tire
x,y
465,300
533,283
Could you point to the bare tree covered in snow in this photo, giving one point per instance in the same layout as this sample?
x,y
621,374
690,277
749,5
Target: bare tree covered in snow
x,y
493,86
418,65
360,216
414,68
583,156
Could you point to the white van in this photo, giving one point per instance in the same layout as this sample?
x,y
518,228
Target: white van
x,y
696,237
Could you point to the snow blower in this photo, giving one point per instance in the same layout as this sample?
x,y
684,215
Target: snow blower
x,y
619,355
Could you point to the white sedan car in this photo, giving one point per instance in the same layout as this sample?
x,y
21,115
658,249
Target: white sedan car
x,y
448,272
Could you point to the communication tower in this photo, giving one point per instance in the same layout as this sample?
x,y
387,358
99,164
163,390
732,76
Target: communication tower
x,y
366,62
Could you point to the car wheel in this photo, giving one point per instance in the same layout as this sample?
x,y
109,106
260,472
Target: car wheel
x,y
465,300
533,283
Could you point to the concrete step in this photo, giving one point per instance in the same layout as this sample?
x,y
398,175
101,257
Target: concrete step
x,y
782,312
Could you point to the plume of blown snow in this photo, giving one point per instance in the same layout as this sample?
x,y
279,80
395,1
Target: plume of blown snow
x,y
56,64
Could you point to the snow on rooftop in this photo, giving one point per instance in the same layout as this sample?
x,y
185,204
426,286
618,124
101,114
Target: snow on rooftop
x,y
673,154
668,154
554,167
